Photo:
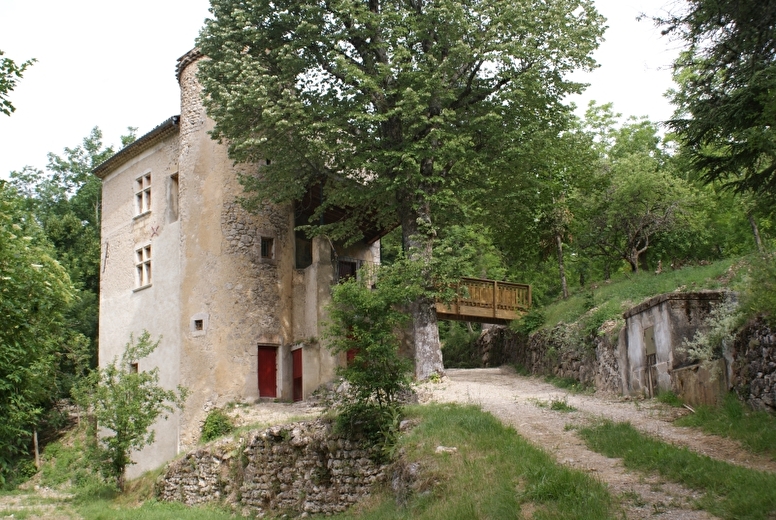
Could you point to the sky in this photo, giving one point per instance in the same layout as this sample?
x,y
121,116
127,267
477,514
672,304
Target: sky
x,y
112,64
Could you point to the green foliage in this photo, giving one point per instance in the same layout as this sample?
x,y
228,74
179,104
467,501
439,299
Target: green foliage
x,y
366,322
730,491
628,289
10,74
726,77
670,398
755,430
458,344
35,338
570,384
217,424
494,474
529,322
723,323
126,403
759,297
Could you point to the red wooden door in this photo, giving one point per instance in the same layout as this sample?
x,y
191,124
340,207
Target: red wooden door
x,y
296,363
268,363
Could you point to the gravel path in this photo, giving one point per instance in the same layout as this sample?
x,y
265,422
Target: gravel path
x,y
522,402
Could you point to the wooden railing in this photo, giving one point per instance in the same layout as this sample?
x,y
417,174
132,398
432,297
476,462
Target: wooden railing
x,y
486,301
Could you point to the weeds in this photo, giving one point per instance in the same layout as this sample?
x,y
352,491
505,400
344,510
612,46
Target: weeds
x,y
756,431
729,491
494,474
670,398
570,384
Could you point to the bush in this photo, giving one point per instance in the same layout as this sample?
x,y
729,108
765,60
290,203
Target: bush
x,y
760,296
364,323
458,346
217,424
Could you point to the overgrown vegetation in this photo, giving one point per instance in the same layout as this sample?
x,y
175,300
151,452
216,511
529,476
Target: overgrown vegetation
x,y
730,491
217,424
494,474
363,326
755,430
570,384
124,402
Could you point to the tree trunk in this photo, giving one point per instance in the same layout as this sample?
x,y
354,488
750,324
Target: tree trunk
x,y
756,231
417,236
561,268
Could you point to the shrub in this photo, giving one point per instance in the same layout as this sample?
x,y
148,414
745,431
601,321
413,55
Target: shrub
x,y
364,322
217,424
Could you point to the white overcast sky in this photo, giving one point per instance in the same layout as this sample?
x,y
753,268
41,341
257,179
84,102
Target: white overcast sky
x,y
111,64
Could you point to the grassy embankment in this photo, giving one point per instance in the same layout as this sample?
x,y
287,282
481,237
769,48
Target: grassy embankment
x,y
729,491
493,474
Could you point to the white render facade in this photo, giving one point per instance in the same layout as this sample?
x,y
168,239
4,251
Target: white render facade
x,y
237,298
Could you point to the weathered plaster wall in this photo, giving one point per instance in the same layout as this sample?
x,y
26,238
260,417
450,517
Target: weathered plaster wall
x,y
125,310
296,469
672,317
247,299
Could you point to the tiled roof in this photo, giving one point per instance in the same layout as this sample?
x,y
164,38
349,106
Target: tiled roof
x,y
186,60
161,132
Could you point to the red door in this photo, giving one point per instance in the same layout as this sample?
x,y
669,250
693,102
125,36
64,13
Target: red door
x,y
268,363
297,373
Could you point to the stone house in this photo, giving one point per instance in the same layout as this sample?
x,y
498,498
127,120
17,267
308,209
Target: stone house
x,y
237,298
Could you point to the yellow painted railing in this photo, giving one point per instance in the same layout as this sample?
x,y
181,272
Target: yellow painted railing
x,y
486,301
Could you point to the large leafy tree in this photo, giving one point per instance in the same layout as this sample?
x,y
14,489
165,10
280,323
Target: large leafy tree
x,y
35,337
392,107
726,78
10,74
66,200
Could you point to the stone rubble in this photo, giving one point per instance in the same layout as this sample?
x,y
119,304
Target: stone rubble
x,y
298,469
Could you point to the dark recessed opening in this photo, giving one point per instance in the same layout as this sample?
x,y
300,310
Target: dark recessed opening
x,y
199,324
133,368
266,247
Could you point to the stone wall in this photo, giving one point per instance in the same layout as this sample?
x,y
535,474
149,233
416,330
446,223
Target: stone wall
x,y
560,351
297,469
754,365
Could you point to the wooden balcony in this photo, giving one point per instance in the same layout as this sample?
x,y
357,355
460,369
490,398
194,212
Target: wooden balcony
x,y
486,301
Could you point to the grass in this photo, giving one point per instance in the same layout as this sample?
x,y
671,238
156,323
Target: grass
x,y
606,300
730,492
558,405
494,474
670,398
570,384
151,510
756,431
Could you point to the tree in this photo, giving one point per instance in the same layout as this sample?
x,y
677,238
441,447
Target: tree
x,y
391,108
127,401
65,199
726,78
35,293
636,198
10,74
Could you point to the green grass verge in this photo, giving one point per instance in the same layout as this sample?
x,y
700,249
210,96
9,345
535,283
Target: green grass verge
x,y
625,290
730,491
756,431
150,510
494,474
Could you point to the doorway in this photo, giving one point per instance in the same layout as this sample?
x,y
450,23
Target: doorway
x,y
296,363
268,371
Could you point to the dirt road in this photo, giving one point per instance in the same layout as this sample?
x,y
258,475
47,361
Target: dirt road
x,y
522,402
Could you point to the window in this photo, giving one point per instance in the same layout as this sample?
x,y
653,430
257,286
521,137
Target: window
x,y
143,266
267,247
133,368
143,194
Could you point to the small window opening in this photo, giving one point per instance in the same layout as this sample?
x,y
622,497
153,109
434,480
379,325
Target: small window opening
x,y
199,324
267,247
173,197
143,266
133,369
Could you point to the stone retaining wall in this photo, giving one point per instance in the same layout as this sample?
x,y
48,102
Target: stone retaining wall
x,y
297,469
754,365
559,351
